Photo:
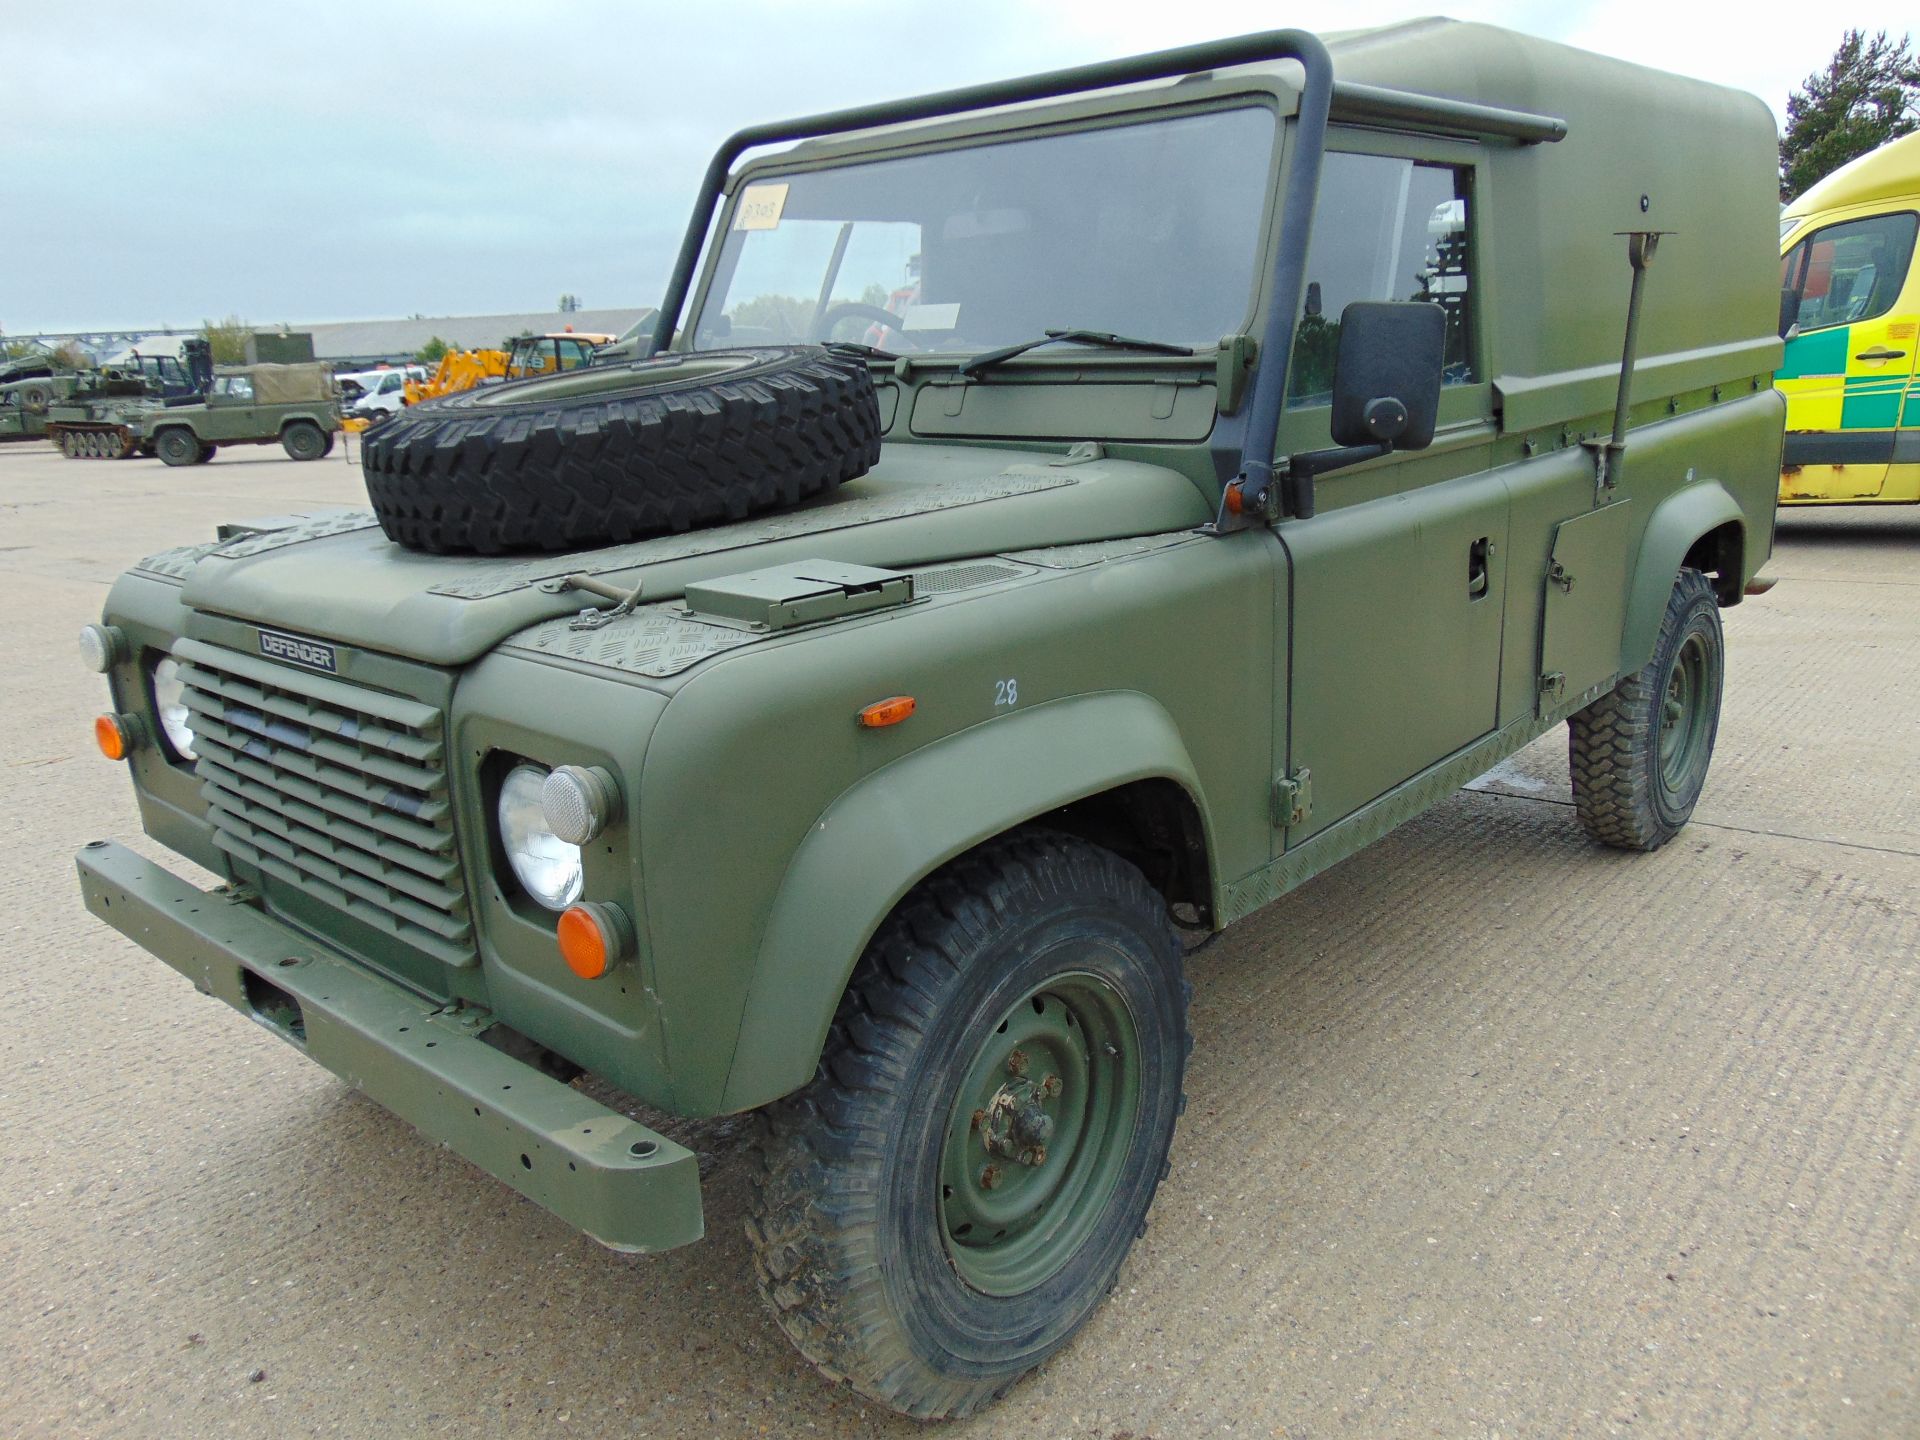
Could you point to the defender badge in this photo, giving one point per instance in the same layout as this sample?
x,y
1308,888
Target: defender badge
x,y
310,653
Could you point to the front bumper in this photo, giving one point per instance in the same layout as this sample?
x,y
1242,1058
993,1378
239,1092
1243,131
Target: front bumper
x,y
621,1183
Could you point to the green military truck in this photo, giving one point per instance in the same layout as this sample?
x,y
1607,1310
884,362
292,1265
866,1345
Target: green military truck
x,y
26,390
293,405
1055,517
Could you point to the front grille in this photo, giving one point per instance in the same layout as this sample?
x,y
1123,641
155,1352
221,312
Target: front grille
x,y
335,789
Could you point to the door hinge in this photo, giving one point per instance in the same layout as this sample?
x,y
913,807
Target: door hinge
x,y
1553,684
1292,798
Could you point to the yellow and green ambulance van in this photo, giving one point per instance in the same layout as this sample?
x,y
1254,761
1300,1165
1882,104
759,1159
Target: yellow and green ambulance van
x,y
1850,307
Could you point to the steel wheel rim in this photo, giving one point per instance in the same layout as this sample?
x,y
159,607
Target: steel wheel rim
x,y
1684,713
1011,1218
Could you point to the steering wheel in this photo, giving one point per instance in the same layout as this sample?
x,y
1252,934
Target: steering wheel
x,y
854,310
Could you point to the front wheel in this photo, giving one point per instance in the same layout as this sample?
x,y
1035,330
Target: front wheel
x,y
1639,755
953,1194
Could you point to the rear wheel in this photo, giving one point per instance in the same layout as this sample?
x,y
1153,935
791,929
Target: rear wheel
x,y
177,447
954,1193
1639,756
303,440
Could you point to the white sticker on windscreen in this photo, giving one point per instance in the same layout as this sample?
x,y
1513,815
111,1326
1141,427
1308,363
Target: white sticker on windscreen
x,y
931,317
760,207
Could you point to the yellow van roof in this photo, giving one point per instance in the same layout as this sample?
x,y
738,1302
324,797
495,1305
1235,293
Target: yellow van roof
x,y
1884,174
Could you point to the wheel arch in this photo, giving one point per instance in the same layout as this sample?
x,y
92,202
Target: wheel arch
x,y
1701,528
1111,768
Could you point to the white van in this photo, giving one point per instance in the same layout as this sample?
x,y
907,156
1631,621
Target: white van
x,y
382,390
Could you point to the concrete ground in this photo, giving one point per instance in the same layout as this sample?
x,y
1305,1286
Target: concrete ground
x,y
1492,1132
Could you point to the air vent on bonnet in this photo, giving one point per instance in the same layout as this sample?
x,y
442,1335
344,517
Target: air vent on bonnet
x,y
944,579
797,594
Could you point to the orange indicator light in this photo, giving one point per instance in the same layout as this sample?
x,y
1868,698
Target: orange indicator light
x,y
591,939
888,712
113,736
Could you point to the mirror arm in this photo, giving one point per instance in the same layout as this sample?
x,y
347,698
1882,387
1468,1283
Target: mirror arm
x,y
1296,481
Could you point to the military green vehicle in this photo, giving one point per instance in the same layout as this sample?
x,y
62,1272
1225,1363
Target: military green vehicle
x,y
295,405
23,408
26,390
1054,518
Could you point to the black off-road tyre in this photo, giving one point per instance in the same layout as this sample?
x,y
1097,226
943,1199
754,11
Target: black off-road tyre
x,y
304,440
177,445
207,452
853,1207
609,453
1639,755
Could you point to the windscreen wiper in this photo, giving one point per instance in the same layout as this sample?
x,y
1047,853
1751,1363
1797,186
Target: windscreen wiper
x,y
987,359
855,347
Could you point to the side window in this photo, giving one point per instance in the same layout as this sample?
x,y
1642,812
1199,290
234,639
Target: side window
x,y
241,388
1851,271
1383,229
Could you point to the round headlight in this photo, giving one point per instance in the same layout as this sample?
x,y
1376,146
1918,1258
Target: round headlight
x,y
547,867
170,704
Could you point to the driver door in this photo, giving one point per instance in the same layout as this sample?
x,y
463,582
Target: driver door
x,y
230,408
1399,582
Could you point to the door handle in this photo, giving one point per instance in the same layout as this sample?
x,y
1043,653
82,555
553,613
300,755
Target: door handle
x,y
1881,353
1477,568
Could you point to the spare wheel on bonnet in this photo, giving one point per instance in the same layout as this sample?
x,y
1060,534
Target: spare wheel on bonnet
x,y
605,454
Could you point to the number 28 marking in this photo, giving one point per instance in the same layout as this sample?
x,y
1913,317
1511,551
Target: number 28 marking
x,y
1006,692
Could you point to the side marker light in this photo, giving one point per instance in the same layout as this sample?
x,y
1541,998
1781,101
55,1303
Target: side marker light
x,y
102,647
888,712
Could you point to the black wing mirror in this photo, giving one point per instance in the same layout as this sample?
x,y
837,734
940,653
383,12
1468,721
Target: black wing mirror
x,y
1386,373
1386,390
1789,310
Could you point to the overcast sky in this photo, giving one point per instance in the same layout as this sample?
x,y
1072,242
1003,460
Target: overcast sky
x,y
161,164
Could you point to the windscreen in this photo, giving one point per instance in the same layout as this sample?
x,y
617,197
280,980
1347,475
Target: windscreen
x,y
1149,229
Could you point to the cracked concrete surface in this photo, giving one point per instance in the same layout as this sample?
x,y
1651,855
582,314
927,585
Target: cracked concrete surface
x,y
1491,1131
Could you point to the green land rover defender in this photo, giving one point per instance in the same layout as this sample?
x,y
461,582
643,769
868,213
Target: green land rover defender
x,y
1050,518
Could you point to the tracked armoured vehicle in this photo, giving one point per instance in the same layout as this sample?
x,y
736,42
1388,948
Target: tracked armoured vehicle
x,y
103,414
1055,517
